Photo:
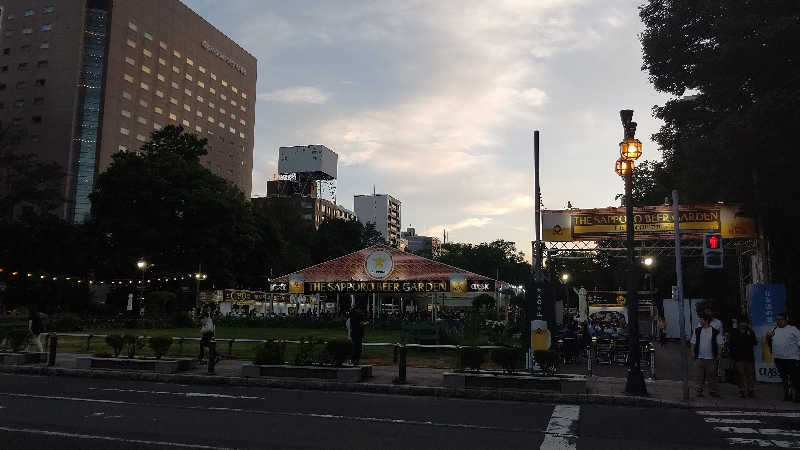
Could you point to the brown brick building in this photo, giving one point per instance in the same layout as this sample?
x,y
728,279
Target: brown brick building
x,y
88,78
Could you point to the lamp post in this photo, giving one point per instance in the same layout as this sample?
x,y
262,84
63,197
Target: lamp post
x,y
565,281
648,264
630,151
141,264
198,277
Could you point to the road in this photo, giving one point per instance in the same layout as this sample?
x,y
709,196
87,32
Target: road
x,y
77,413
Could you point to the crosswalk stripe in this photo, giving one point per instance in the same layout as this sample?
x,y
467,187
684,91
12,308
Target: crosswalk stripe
x,y
763,443
562,429
732,421
750,413
764,431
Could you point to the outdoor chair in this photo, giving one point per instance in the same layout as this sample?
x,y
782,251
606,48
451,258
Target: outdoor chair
x,y
621,349
603,351
570,351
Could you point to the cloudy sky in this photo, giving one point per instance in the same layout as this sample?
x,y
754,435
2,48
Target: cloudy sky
x,y
435,102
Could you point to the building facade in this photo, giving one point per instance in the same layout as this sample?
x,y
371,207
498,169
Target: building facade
x,y
313,209
427,246
84,79
383,210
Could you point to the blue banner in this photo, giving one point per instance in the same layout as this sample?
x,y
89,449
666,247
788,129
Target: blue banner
x,y
766,302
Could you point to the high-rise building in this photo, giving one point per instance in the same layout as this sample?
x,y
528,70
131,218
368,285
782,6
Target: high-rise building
x,y
85,79
427,246
381,209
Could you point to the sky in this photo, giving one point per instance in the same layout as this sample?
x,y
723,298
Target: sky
x,y
435,102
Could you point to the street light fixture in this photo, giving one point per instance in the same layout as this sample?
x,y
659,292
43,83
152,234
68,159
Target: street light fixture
x,y
198,277
648,261
630,151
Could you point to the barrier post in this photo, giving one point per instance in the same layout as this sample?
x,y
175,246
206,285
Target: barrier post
x,y
589,358
89,342
212,355
51,357
652,362
401,364
230,347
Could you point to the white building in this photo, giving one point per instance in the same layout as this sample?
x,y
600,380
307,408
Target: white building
x,y
381,209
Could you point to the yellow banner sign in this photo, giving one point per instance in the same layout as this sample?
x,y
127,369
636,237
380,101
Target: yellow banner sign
x,y
655,222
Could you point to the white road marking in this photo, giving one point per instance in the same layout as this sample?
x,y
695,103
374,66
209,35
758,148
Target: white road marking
x,y
183,394
283,413
562,429
763,443
108,438
731,421
750,413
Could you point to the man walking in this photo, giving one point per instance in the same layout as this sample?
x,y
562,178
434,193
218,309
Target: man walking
x,y
706,342
785,340
356,335
742,341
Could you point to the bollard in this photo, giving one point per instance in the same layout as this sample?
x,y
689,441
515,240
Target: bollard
x,y
180,346
589,361
652,362
51,356
212,355
89,342
230,348
401,364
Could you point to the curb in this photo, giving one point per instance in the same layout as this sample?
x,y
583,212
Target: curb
x,y
306,384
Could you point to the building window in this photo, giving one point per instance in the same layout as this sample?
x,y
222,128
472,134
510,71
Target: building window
x,y
222,111
124,131
130,61
158,110
187,107
213,76
162,62
173,100
28,12
198,128
19,104
24,31
199,113
232,130
188,77
233,102
187,92
122,148
48,9
200,99
176,69
143,103
173,116
201,84
221,125
212,90
156,126
224,83
141,120
160,94
176,53
144,86
147,53
4,69
6,51
128,78
223,96
210,119
175,85
145,69
201,69
133,26
241,135
45,44
162,44
242,122
161,78
38,101
148,36
185,123
244,96
211,105
189,61
233,88
130,43
125,113
40,82
233,116
21,85
41,65
22,67
47,27
141,138
126,95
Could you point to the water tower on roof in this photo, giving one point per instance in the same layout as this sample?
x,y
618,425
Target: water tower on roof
x,y
312,167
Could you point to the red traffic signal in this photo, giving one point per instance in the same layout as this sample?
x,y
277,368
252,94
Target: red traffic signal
x,y
714,242
713,251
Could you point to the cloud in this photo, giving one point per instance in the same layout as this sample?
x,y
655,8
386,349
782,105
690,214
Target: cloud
x,y
472,222
500,207
297,94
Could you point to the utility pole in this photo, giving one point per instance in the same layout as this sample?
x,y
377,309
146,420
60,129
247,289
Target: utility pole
x,y
679,293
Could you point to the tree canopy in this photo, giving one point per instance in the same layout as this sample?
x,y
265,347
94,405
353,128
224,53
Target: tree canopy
x,y
494,259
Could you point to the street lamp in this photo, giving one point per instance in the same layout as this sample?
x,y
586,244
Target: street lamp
x,y
198,277
630,150
564,281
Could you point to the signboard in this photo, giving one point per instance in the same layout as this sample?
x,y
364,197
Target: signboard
x,y
651,222
237,296
130,302
398,286
379,264
766,302
278,287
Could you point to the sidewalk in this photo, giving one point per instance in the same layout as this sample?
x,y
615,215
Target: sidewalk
x,y
606,389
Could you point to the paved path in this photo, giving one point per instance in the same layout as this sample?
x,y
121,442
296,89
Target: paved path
x,y
67,413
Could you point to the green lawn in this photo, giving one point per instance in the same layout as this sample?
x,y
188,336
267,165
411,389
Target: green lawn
x,y
245,350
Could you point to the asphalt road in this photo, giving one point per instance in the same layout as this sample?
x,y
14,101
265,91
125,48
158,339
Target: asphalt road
x,y
78,413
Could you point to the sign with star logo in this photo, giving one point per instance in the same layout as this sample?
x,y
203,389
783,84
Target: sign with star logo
x,y
379,264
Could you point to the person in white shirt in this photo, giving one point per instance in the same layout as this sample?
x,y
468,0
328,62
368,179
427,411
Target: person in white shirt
x,y
785,341
707,343
717,325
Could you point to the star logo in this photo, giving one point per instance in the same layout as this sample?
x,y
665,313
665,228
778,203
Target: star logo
x,y
378,262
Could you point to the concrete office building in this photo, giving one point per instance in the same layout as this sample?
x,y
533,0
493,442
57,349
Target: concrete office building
x,y
383,210
427,246
85,79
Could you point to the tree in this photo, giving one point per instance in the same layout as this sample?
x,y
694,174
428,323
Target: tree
x,y
335,238
163,205
370,236
733,139
495,259
652,183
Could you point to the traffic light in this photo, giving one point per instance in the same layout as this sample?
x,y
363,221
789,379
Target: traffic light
x,y
712,251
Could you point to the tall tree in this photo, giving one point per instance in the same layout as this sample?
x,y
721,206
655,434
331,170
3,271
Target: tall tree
x,y
733,138
498,258
163,205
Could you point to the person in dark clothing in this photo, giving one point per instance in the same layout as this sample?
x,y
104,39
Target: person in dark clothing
x,y
356,335
742,341
706,342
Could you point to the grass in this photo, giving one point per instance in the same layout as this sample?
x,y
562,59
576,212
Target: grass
x,y
432,358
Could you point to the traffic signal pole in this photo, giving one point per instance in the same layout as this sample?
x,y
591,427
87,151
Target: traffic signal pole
x,y
681,314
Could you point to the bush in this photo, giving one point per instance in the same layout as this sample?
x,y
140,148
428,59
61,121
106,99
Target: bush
x,y
305,352
66,322
470,358
337,351
508,358
547,360
159,303
181,319
160,345
116,343
102,355
131,341
17,339
272,352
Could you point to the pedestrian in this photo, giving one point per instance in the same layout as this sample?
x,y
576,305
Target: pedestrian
x,y
206,333
36,328
742,341
662,331
356,334
706,342
785,344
